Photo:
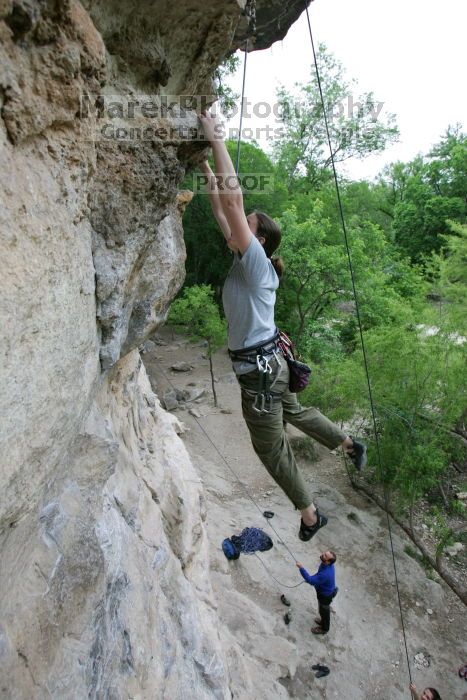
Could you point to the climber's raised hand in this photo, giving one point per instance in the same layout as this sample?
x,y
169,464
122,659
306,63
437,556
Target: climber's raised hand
x,y
212,126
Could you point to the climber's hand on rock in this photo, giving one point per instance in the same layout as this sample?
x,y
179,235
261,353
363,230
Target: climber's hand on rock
x,y
212,126
298,565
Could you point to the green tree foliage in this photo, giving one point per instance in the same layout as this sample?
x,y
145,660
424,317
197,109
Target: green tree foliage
x,y
316,300
408,241
356,126
416,380
227,97
197,313
315,270
426,193
451,278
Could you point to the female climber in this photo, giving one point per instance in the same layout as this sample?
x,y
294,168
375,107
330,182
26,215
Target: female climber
x,y
248,298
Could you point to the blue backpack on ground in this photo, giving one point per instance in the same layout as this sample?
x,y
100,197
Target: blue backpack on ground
x,y
250,540
229,549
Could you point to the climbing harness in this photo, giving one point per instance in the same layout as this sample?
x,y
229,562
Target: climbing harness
x,y
260,355
357,310
256,353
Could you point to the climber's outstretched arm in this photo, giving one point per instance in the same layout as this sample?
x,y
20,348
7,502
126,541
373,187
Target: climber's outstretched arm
x,y
230,197
214,198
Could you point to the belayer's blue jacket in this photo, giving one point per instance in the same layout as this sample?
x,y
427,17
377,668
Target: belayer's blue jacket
x,y
324,580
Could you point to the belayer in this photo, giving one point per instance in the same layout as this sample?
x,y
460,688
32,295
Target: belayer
x,y
324,582
427,694
248,298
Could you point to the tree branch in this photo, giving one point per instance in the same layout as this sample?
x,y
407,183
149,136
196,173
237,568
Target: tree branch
x,y
436,562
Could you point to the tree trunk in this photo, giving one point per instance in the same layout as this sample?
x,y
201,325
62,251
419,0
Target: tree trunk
x,y
436,562
443,494
212,374
301,316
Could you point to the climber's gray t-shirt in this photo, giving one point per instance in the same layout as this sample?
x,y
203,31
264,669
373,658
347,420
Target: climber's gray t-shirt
x,y
249,296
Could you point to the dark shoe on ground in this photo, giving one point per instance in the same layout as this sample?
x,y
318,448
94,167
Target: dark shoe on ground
x,y
323,671
358,454
308,531
285,600
318,630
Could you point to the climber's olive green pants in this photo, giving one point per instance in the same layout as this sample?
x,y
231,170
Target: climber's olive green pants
x,y
268,436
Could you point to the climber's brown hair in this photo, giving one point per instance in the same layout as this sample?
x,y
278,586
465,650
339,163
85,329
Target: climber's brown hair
x,y
270,231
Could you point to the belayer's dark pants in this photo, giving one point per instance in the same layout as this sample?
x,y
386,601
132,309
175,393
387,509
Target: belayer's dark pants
x,y
324,609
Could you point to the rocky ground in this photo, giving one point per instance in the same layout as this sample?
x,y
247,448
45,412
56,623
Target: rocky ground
x,y
267,657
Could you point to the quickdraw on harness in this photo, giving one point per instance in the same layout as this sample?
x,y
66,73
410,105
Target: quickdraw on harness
x,y
258,355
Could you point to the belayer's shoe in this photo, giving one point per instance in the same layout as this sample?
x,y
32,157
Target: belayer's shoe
x,y
318,667
357,454
323,671
306,532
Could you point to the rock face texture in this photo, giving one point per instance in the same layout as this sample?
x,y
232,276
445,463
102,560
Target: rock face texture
x,y
103,587
111,599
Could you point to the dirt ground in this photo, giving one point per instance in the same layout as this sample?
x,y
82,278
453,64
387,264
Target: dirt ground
x,y
268,658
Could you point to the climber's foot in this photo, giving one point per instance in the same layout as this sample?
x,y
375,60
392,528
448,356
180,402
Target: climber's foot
x,y
306,532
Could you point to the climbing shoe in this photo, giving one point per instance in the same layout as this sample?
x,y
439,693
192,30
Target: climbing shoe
x,y
357,454
306,532
318,630
285,600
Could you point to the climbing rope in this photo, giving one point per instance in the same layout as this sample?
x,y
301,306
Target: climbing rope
x,y
239,138
365,361
283,585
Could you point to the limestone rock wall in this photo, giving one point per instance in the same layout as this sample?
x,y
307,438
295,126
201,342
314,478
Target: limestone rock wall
x,y
110,596
103,583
